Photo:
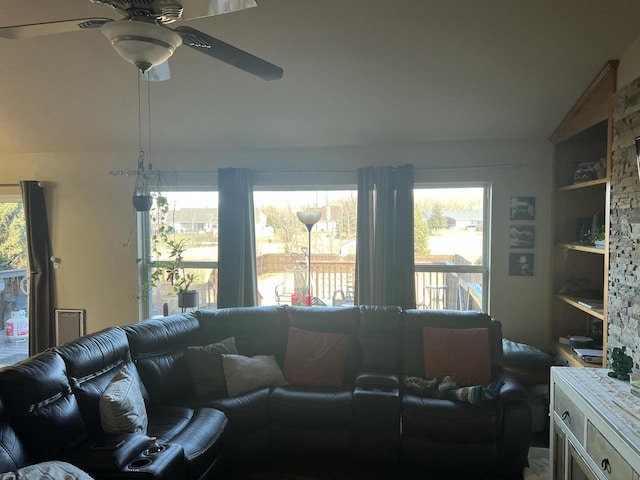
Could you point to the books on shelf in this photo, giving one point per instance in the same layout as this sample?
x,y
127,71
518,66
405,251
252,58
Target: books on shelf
x,y
589,355
591,303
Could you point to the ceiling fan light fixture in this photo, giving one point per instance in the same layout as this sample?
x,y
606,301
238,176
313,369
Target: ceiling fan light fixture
x,y
143,44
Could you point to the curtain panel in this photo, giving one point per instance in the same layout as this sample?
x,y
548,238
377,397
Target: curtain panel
x,y
41,284
237,272
385,268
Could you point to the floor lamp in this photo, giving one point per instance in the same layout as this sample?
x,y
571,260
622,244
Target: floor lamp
x,y
309,219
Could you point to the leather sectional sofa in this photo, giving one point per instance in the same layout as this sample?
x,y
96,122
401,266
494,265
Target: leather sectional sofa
x,y
51,401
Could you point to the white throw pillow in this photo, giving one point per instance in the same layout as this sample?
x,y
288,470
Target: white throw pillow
x,y
122,408
54,470
244,374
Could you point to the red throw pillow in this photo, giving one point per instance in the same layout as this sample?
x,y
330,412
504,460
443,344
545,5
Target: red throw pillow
x,y
462,353
315,358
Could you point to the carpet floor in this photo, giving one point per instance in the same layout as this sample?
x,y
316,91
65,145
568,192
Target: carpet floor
x,y
538,470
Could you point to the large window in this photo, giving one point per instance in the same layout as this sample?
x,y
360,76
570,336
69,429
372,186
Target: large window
x,y
451,247
282,247
14,333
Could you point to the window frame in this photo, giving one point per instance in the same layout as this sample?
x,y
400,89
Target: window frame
x,y
485,268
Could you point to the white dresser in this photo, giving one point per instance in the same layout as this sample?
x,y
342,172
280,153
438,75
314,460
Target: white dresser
x,y
595,426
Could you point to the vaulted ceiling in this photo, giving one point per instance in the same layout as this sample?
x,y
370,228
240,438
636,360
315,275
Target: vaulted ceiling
x,y
356,72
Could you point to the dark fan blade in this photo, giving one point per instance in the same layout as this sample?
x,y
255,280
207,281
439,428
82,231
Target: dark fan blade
x,y
228,53
50,28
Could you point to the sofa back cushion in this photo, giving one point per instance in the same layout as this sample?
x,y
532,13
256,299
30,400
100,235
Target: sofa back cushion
x,y
380,338
38,398
332,320
158,351
414,322
13,454
461,353
257,330
316,358
92,361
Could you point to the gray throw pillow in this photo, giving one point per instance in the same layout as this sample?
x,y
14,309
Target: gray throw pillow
x,y
47,470
205,366
122,408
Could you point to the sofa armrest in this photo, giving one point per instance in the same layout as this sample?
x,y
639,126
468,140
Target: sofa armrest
x,y
512,391
90,457
378,381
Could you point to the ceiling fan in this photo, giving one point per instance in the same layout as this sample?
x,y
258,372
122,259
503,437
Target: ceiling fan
x,y
143,38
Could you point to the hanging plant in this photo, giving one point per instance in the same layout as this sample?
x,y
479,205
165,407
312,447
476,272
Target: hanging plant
x,y
142,199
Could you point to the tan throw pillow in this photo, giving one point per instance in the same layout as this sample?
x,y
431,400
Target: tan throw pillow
x,y
245,374
462,353
122,408
205,365
316,358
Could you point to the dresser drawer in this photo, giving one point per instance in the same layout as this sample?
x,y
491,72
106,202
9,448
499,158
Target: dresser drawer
x,y
570,415
611,463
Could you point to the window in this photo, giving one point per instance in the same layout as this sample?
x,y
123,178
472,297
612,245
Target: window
x,y
282,246
14,345
451,247
191,217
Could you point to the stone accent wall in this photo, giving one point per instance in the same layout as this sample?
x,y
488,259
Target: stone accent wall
x,y
624,236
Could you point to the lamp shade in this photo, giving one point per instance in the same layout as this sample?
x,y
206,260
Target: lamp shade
x,y
309,218
143,44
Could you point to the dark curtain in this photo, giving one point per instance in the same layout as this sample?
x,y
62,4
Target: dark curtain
x,y
41,291
385,268
237,273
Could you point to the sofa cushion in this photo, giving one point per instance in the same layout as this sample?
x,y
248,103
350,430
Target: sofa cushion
x,y
38,398
462,353
245,374
122,408
302,407
92,361
197,430
205,365
315,358
157,349
447,421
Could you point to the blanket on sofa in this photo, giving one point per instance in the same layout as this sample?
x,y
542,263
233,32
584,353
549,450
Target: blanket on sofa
x,y
449,390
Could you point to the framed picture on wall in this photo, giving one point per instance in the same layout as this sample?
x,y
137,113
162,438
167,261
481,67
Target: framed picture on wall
x,y
522,236
522,208
70,324
521,264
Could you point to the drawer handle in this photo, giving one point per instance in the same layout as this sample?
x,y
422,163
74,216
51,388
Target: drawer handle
x,y
606,466
566,416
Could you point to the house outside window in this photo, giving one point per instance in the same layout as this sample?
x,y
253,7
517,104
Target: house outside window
x,y
451,225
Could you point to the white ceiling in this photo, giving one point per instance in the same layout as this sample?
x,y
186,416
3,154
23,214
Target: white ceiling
x,y
356,72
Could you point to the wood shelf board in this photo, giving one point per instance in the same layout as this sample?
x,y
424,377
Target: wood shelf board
x,y
584,248
565,352
587,184
594,312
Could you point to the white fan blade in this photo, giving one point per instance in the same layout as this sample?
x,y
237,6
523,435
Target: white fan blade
x,y
200,8
159,73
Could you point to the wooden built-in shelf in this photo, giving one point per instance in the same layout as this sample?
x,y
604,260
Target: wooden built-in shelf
x,y
574,302
565,352
587,184
583,248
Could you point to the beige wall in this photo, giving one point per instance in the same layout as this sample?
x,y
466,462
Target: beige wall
x,y
91,216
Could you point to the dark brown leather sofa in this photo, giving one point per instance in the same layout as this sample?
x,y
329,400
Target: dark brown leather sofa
x,y
50,401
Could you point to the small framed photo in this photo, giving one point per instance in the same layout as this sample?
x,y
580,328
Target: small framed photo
x,y
521,264
523,208
522,236
70,324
